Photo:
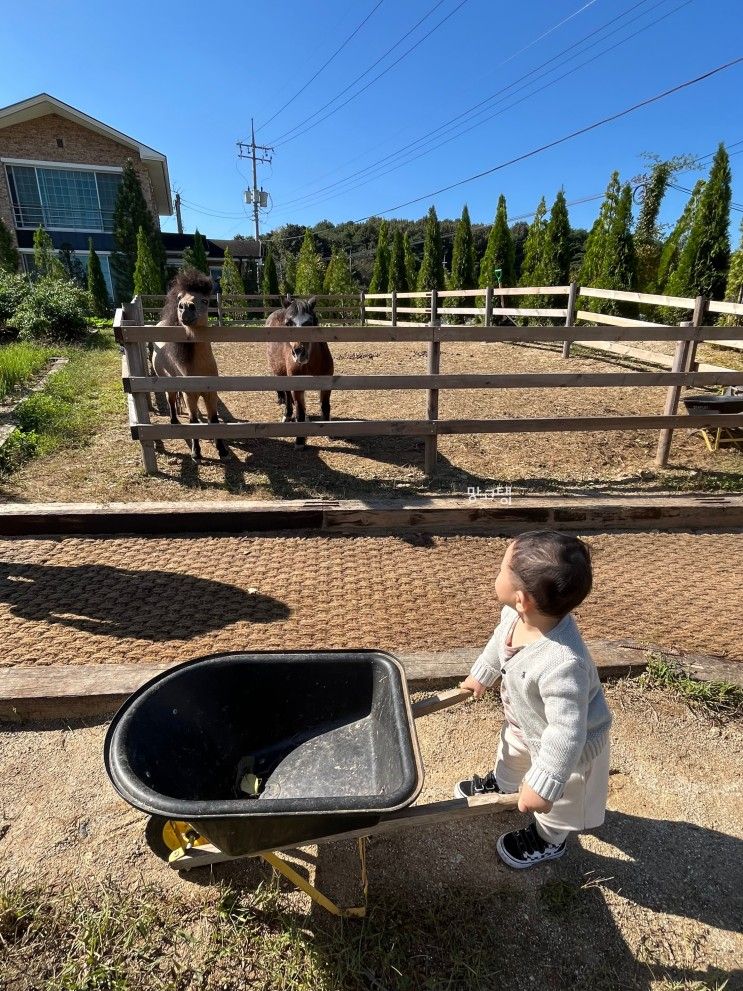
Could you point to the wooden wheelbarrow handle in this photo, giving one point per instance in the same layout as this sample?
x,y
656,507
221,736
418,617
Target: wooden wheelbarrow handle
x,y
441,700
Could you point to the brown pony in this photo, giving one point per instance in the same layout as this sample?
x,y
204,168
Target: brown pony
x,y
187,304
298,358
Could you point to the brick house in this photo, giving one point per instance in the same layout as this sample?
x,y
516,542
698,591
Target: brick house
x,y
61,169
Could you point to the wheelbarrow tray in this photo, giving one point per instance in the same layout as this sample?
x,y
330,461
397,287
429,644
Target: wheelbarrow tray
x,y
329,733
713,404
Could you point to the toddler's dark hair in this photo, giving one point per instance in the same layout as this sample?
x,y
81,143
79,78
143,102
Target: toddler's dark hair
x,y
554,568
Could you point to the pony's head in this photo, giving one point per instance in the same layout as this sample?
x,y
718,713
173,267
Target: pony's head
x,y
300,313
187,301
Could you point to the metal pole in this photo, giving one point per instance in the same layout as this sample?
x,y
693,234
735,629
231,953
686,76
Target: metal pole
x,y
255,185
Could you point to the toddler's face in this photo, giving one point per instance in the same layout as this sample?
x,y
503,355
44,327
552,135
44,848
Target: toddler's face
x,y
505,582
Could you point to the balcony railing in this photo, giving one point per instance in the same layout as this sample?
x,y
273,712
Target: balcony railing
x,y
58,218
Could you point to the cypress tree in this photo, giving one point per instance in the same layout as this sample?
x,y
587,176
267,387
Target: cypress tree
x,y
288,278
620,261
669,257
734,287
398,277
594,260
381,271
73,267
97,288
270,277
46,264
532,269
556,263
130,213
147,280
705,257
9,257
411,265
195,256
431,274
500,253
462,262
309,275
230,283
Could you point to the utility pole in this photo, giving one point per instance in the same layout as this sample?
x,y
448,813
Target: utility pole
x,y
178,212
258,197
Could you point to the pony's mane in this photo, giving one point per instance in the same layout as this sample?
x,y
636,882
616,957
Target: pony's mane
x,y
189,280
300,307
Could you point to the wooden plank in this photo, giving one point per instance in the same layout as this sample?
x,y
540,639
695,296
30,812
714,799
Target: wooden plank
x,y
532,291
259,334
459,380
515,312
432,396
607,319
643,354
735,309
423,428
582,334
62,691
637,297
682,359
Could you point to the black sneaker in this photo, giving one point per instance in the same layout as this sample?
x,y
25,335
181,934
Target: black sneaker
x,y
477,786
526,848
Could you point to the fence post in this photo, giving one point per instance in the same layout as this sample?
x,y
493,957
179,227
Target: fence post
x,y
394,308
219,309
432,402
136,358
488,306
681,362
362,308
570,316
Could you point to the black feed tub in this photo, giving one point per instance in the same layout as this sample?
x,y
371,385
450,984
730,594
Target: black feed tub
x,y
699,405
329,734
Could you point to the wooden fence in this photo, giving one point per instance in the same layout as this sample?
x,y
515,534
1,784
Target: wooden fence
x,y
133,334
228,310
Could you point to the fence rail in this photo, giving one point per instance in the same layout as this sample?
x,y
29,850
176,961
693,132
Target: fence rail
x,y
133,333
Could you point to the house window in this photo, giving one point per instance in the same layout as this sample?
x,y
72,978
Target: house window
x,y
27,261
60,142
62,199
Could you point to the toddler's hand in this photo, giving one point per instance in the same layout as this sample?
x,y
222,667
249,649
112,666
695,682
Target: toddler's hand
x,y
474,686
529,801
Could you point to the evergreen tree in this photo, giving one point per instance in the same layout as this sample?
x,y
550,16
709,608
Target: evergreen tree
x,y
270,277
398,277
288,278
97,288
130,213
647,240
309,276
734,287
462,263
231,283
411,265
431,274
556,262
620,262
594,265
147,280
499,253
532,269
9,257
338,280
381,271
46,264
195,256
671,253
703,264
74,270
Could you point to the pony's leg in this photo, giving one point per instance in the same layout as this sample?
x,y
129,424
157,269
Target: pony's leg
x,y
192,400
288,408
173,403
281,397
325,403
298,398
210,401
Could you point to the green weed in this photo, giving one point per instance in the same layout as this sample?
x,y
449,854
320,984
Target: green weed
x,y
719,697
19,363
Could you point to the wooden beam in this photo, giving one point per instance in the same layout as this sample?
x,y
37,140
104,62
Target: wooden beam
x,y
459,380
637,297
607,320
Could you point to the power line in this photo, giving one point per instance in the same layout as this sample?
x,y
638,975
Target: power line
x,y
324,66
434,137
565,138
290,135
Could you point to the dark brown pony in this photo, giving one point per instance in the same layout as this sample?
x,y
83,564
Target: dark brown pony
x,y
187,304
298,358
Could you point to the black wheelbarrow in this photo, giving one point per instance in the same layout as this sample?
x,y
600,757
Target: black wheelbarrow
x,y
244,755
718,434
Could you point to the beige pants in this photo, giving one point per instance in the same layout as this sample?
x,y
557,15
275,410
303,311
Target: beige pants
x,y
582,804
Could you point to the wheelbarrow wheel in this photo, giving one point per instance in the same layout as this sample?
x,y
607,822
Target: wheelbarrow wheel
x,y
164,836
153,835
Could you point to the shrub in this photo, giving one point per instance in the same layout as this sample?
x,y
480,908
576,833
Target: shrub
x,y
19,447
13,289
53,309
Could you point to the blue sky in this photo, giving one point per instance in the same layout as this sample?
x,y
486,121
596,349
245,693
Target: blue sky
x,y
185,79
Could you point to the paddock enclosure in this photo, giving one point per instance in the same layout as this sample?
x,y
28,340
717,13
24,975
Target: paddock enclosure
x,y
433,396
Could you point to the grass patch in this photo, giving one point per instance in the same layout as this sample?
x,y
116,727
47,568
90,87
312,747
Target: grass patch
x,y
719,697
19,363
71,405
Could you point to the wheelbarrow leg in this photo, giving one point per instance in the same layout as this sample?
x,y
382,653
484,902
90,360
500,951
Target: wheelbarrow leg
x,y
280,865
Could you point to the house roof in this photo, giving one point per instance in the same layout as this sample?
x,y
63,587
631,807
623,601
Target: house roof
x,y
154,161
239,247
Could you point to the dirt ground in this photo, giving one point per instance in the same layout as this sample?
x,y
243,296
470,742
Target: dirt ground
x,y
109,468
153,600
657,890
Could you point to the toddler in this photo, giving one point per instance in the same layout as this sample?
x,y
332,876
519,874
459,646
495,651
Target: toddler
x,y
554,743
